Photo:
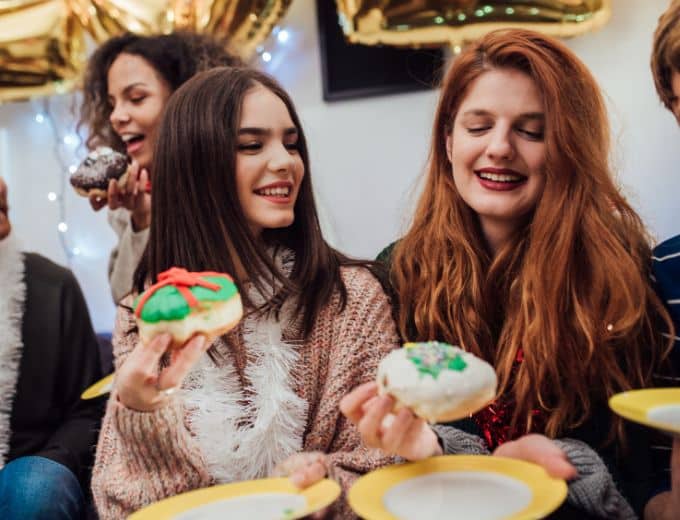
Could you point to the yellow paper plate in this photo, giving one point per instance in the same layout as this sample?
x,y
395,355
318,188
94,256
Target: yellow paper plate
x,y
457,486
101,387
656,407
274,498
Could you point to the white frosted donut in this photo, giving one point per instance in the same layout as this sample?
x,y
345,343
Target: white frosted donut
x,y
439,382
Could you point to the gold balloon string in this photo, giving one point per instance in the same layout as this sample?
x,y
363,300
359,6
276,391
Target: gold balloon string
x,y
72,139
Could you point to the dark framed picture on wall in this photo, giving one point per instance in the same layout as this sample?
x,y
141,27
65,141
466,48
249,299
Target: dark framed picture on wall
x,y
353,71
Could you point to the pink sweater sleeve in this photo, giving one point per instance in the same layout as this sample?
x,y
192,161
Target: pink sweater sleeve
x,y
142,457
364,334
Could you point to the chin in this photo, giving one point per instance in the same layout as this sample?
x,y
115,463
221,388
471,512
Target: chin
x,y
5,230
279,223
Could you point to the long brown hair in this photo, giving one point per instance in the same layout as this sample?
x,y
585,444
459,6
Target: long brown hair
x,y
175,57
197,221
571,289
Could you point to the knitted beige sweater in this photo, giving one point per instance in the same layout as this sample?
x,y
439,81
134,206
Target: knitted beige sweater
x,y
145,457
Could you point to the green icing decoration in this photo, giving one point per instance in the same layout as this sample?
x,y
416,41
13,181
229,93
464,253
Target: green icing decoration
x,y
433,357
167,304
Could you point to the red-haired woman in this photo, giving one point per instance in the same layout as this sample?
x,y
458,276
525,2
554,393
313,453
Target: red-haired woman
x,y
524,252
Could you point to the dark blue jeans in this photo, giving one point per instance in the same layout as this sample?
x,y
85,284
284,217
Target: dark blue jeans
x,y
37,488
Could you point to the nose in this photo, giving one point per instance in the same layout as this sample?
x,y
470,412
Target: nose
x,y
281,160
119,116
500,146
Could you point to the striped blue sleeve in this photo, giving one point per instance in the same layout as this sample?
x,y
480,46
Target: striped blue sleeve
x,y
666,276
666,273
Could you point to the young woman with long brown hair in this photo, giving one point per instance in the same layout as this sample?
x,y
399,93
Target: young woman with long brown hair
x,y
524,252
233,193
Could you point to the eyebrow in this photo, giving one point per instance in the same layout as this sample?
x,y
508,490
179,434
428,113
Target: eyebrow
x,y
265,131
540,116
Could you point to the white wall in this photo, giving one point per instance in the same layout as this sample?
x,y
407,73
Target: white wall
x,y
366,154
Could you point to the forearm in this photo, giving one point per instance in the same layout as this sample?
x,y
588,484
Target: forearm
x,y
457,442
594,490
144,457
125,258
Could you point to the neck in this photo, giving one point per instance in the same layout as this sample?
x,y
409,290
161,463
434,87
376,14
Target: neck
x,y
497,232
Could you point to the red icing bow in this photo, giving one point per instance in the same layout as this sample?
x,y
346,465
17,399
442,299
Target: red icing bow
x,y
182,280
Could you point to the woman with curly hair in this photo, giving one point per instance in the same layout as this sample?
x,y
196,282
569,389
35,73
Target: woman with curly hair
x,y
524,252
127,83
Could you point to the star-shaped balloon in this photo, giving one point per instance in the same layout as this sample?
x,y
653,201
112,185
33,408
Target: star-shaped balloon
x,y
42,42
42,49
417,23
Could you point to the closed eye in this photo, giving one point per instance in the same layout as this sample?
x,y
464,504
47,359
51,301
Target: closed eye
x,y
250,147
478,129
534,136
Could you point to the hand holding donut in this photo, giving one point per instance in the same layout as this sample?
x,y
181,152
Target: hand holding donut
x,y
139,384
403,434
180,315
133,194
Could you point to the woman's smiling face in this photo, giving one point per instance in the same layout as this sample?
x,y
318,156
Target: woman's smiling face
x,y
137,95
497,149
269,169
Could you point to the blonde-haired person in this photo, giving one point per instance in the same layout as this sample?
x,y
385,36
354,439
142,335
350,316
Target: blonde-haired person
x,y
127,83
665,64
665,60
523,251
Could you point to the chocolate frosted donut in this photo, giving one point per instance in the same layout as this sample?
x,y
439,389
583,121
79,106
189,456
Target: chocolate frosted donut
x,y
99,167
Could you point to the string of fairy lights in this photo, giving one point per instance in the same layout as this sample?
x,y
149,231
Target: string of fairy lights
x,y
64,147
68,148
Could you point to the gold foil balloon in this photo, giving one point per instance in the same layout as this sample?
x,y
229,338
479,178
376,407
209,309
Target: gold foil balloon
x,y
41,48
435,22
244,24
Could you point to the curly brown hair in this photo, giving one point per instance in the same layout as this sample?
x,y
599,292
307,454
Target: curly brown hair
x,y
666,52
177,57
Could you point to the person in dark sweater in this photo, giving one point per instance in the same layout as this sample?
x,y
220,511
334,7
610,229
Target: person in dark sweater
x,y
524,252
48,356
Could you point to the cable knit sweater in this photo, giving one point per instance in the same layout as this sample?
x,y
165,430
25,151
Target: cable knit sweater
x,y
145,457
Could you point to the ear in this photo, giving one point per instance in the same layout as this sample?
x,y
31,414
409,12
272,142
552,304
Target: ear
x,y
449,145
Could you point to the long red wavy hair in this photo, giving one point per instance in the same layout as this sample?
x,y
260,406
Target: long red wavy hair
x,y
571,289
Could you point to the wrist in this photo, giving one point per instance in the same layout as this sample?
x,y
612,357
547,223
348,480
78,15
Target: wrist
x,y
141,220
436,448
137,405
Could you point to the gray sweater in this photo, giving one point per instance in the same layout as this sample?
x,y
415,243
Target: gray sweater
x,y
592,491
